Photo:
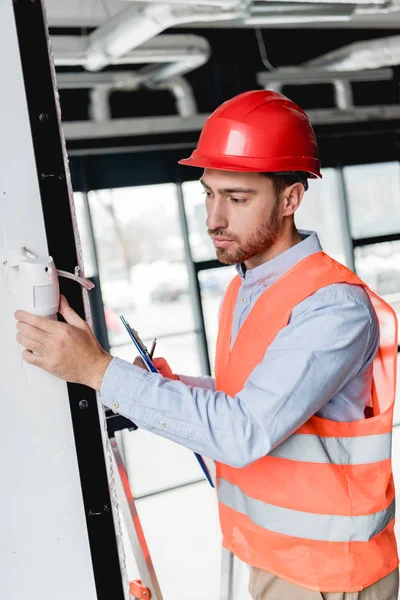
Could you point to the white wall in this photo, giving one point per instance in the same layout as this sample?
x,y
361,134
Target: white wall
x,y
44,550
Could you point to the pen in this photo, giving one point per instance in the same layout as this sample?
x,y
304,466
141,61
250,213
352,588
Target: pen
x,y
153,347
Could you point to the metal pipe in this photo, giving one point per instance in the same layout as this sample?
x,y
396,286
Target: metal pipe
x,y
302,75
116,128
343,94
308,7
371,54
182,92
340,79
99,103
288,18
189,53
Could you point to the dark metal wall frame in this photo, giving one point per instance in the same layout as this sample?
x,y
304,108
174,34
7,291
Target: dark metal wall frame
x,y
49,158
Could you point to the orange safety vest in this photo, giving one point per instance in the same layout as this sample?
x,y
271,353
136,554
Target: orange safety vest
x,y
318,510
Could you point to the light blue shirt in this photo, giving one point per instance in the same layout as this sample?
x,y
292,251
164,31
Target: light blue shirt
x,y
320,363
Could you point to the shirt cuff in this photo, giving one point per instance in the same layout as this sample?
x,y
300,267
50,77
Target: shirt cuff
x,y
121,376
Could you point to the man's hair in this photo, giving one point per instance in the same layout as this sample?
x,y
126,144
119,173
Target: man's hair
x,y
283,180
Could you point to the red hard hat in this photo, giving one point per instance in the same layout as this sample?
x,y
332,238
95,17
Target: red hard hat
x,y
259,131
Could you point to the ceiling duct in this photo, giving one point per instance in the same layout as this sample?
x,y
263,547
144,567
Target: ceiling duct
x,y
131,37
102,84
172,56
370,54
142,21
360,61
175,54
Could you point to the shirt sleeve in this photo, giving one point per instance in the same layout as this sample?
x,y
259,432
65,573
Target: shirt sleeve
x,y
331,337
208,383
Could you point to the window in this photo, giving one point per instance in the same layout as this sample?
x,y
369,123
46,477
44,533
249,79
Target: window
x,y
213,284
373,192
321,210
379,266
143,271
201,245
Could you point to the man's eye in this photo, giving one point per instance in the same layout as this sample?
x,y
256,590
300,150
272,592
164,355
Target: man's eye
x,y
238,200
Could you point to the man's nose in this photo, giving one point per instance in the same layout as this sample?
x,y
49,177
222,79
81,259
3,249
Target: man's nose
x,y
216,217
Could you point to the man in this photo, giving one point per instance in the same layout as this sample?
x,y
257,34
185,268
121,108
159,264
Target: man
x,y
299,416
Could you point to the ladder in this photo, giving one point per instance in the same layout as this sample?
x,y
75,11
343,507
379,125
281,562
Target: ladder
x,y
147,586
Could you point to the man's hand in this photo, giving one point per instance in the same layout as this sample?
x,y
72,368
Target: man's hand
x,y
161,365
67,350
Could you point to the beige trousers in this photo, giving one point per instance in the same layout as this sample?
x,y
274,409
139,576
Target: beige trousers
x,y
264,586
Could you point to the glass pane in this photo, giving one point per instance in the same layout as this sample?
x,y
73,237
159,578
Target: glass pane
x,y
141,259
200,243
321,211
156,464
374,198
379,266
184,539
213,284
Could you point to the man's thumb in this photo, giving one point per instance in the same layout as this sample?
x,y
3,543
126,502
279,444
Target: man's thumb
x,y
69,314
163,367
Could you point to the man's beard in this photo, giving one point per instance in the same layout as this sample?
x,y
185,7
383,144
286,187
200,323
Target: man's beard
x,y
259,242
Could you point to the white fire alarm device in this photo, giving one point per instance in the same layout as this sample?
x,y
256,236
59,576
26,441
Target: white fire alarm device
x,y
40,291
38,282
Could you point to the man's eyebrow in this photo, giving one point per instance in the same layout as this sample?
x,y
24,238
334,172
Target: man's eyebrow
x,y
230,190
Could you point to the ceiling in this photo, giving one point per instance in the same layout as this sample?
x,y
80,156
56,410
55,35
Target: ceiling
x,y
134,70
364,13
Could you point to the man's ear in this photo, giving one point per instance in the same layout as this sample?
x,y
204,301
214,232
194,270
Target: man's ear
x,y
292,197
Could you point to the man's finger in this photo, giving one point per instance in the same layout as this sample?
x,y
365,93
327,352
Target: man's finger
x,y
139,362
32,359
39,322
30,344
69,314
32,333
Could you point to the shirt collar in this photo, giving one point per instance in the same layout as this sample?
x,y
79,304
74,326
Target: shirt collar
x,y
273,269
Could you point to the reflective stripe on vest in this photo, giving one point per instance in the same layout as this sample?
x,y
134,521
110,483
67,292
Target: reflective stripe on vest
x,y
359,450
298,524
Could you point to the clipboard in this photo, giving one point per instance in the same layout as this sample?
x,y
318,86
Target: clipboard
x,y
145,356
141,348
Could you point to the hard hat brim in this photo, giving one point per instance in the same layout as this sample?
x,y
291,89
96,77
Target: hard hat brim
x,y
252,165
